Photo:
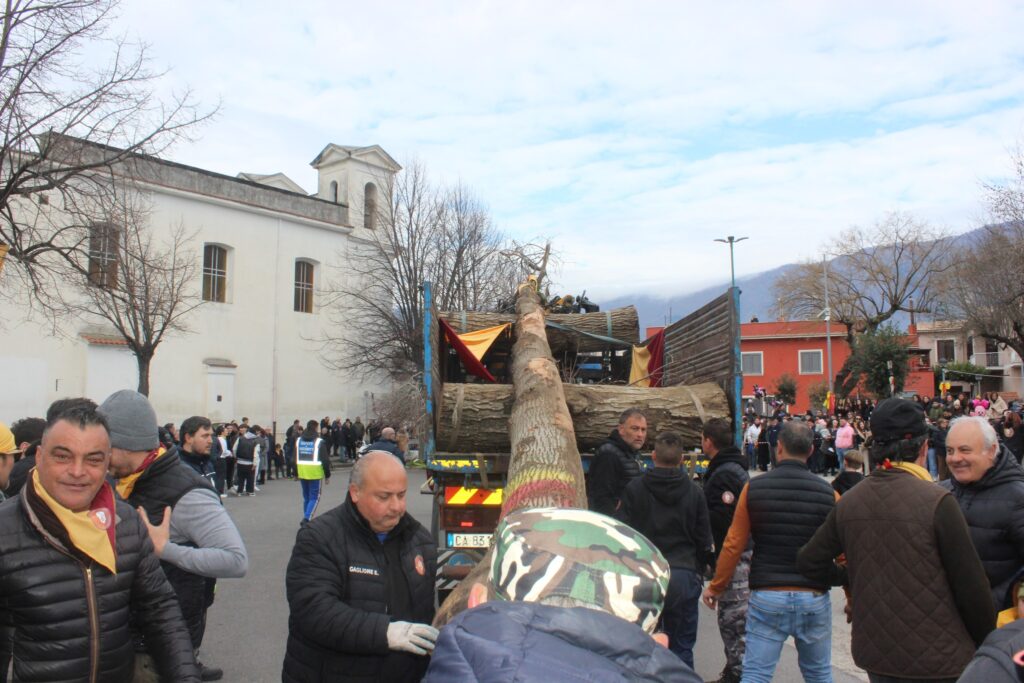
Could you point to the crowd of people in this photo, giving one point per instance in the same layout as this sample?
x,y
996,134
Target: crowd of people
x,y
129,516
929,547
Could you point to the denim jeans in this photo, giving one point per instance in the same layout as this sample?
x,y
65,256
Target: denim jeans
x,y
679,618
840,454
774,616
933,464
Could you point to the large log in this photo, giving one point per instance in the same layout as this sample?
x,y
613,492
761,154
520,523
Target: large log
x,y
544,469
619,323
476,417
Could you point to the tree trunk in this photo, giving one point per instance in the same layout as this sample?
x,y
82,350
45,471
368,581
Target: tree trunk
x,y
475,418
619,323
545,468
144,358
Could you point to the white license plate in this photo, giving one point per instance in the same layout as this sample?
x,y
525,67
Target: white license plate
x,y
468,540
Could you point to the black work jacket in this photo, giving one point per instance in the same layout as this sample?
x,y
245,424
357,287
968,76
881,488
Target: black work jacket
x,y
726,476
344,587
614,465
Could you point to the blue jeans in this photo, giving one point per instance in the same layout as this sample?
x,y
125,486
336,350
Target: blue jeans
x,y
774,616
752,456
310,496
840,454
679,618
933,465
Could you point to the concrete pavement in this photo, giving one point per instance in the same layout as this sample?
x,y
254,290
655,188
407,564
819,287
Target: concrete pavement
x,y
248,624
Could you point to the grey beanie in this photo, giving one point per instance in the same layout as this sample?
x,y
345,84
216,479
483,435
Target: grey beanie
x,y
131,420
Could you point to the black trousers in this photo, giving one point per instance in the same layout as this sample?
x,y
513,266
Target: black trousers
x,y
229,472
246,478
220,466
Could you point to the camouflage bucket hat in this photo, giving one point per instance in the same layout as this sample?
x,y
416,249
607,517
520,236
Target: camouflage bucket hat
x,y
580,555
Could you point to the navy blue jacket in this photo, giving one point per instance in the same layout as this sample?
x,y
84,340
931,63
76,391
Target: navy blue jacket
x,y
502,642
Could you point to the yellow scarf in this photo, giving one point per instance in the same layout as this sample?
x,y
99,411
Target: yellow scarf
x,y
88,529
126,484
912,468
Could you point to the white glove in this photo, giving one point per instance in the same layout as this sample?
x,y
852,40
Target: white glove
x,y
409,637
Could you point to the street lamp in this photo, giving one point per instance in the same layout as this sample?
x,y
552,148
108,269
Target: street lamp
x,y
730,240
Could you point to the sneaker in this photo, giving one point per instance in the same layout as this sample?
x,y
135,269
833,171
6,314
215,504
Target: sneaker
x,y
250,494
223,495
256,488
210,673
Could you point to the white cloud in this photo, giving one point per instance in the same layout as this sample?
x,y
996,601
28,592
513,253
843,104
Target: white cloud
x,y
632,133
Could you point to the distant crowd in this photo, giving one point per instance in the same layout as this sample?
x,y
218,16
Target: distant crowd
x,y
845,433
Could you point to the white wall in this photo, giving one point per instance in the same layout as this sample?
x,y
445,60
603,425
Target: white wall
x,y
277,374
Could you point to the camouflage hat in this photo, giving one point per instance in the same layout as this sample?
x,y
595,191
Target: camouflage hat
x,y
584,556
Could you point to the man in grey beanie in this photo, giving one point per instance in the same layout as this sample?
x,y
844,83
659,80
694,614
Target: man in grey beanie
x,y
191,531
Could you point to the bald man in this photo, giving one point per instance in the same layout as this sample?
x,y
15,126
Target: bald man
x,y
388,442
360,585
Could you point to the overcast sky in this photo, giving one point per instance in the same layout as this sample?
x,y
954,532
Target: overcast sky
x,y
631,134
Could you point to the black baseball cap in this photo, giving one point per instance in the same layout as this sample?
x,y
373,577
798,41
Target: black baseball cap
x,y
895,419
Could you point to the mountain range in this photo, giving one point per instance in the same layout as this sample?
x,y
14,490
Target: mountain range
x,y
755,298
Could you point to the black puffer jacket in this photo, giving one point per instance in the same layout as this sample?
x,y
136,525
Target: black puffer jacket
x,y
670,510
344,588
723,483
614,465
45,614
994,509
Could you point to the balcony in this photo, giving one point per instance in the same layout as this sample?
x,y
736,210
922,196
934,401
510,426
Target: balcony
x,y
987,360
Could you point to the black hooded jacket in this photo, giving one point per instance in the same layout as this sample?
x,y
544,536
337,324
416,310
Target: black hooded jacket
x,y
726,476
994,509
669,509
615,464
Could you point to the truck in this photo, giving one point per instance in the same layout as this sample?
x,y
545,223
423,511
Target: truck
x,y
466,462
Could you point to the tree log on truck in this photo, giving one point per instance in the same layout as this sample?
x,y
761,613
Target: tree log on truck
x,y
476,417
620,323
545,468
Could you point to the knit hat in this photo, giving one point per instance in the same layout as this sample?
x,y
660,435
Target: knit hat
x,y
131,421
8,445
581,555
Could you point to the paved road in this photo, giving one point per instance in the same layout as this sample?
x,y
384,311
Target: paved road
x,y
248,624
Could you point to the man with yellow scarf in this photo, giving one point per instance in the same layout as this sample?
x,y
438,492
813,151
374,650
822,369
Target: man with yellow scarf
x,y
76,564
919,597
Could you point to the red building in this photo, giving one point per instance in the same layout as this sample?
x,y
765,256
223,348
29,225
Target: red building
x,y
798,348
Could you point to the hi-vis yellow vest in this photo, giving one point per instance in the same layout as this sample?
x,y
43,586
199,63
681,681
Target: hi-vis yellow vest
x,y
307,459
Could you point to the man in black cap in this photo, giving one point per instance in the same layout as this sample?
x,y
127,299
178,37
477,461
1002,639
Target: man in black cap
x,y
918,592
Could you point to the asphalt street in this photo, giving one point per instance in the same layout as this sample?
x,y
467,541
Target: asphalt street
x,y
248,624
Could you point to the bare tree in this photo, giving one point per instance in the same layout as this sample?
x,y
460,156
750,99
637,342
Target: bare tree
x,y
138,280
987,293
897,265
52,102
423,233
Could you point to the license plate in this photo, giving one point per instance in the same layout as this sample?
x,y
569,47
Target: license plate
x,y
468,540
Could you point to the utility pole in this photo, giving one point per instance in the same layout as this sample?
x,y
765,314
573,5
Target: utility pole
x,y
828,332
